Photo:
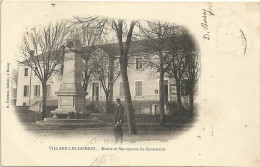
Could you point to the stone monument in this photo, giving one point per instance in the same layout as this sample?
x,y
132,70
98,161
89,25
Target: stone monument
x,y
71,95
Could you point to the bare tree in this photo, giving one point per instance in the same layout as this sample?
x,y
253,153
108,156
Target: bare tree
x,y
178,48
107,72
157,55
184,63
43,51
87,66
122,32
89,31
192,69
124,47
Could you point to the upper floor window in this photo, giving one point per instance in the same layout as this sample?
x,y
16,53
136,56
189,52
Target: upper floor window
x,y
139,64
25,71
138,88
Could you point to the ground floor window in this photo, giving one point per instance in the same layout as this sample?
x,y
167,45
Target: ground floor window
x,y
95,91
26,90
138,88
37,90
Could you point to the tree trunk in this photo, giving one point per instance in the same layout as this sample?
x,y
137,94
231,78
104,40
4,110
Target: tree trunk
x,y
123,68
161,94
107,103
178,89
85,82
44,99
128,99
111,79
191,100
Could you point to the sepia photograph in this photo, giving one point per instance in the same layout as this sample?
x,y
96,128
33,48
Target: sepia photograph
x,y
130,83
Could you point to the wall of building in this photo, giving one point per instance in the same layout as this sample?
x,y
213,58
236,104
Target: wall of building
x,y
31,80
148,103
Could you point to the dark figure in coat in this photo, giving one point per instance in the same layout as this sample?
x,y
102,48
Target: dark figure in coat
x,y
119,118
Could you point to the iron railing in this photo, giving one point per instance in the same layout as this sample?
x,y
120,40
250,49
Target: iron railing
x,y
122,98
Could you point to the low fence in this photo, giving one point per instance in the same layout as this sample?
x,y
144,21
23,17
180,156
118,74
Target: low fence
x,y
122,98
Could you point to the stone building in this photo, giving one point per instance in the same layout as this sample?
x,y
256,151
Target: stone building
x,y
144,86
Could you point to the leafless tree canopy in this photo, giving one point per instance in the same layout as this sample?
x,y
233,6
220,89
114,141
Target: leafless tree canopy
x,y
102,69
42,49
162,46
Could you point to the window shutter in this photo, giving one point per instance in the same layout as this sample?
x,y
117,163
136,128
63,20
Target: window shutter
x,y
38,91
24,90
26,72
27,93
138,88
35,90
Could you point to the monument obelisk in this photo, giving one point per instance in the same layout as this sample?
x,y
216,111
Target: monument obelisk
x,y
71,95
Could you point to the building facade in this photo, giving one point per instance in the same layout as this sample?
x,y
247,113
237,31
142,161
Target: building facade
x,y
144,87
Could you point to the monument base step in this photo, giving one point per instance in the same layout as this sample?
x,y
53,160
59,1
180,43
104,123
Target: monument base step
x,y
70,123
57,120
70,113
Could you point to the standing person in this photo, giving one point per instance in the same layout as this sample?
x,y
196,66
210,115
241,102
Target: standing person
x,y
119,118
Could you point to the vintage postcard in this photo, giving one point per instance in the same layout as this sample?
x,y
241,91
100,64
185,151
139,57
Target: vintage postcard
x,y
130,83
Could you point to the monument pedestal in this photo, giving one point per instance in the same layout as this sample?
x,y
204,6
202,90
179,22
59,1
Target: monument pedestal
x,y
70,105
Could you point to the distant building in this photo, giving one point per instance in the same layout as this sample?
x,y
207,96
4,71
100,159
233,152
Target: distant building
x,y
144,87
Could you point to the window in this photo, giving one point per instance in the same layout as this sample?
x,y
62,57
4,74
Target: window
x,y
36,90
138,88
25,90
95,91
139,64
121,89
26,72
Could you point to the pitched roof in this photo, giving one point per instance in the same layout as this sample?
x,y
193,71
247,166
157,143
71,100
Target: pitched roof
x,y
113,49
43,56
145,45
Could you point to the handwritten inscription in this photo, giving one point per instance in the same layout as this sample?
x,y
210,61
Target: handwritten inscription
x,y
204,24
243,41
